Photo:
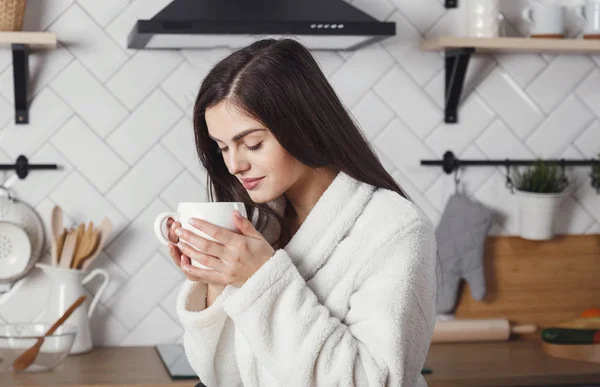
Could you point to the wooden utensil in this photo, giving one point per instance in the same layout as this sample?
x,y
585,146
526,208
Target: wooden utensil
x,y
57,229
86,247
465,330
104,230
60,243
28,357
68,249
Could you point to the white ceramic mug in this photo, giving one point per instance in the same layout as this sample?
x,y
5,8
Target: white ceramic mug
x,y
217,213
484,19
590,13
545,19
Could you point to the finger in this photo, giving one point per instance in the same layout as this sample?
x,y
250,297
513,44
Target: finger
x,y
175,254
172,236
202,258
244,225
220,234
199,243
204,275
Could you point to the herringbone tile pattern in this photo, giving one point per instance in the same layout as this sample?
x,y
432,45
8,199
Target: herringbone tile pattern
x,y
118,120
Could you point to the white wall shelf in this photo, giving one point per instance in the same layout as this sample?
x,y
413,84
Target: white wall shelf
x,y
20,44
458,51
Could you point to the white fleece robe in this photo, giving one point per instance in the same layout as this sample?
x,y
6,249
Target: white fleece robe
x,y
349,301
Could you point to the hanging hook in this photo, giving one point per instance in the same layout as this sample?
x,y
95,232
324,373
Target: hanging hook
x,y
456,180
563,175
595,176
509,182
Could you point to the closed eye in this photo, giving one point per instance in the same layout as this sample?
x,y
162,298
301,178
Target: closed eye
x,y
255,147
250,148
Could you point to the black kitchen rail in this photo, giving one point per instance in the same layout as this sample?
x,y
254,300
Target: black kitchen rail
x,y
22,167
450,163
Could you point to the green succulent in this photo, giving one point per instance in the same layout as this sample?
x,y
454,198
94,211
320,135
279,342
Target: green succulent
x,y
541,177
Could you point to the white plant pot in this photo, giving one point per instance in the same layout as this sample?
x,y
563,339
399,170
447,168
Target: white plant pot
x,y
536,214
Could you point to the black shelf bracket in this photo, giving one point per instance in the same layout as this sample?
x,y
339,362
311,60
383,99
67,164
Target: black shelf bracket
x,y
457,62
20,75
451,3
22,167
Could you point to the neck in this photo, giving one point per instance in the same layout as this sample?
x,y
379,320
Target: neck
x,y
305,193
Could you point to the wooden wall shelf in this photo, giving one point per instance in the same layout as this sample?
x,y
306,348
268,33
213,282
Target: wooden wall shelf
x,y
558,46
20,44
458,51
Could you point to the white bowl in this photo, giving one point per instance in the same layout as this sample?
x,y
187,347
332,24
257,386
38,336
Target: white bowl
x,y
15,250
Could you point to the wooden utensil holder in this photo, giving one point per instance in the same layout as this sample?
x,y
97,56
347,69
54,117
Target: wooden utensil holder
x,y
12,13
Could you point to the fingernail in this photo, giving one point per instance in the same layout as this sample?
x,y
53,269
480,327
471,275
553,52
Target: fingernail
x,y
185,267
181,246
237,213
192,221
178,232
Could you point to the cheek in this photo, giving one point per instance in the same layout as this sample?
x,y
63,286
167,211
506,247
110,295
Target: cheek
x,y
279,163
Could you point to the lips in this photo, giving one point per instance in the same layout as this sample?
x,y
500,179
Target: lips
x,y
251,183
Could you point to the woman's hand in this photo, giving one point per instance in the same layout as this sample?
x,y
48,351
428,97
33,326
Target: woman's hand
x,y
178,258
233,257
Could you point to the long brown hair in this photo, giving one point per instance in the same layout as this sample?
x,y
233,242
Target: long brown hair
x,y
279,83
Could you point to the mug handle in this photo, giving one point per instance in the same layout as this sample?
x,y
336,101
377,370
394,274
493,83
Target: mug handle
x,y
96,298
158,226
526,15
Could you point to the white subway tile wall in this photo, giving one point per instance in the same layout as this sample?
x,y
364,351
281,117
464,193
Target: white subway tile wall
x,y
119,122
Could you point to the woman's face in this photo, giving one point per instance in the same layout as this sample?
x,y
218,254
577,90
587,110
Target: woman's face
x,y
250,151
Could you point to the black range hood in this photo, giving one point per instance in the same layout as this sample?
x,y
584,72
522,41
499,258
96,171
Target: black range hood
x,y
318,24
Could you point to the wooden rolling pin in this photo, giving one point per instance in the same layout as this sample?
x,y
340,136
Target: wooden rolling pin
x,y
468,330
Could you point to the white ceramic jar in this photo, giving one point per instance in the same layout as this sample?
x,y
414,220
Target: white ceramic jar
x,y
483,18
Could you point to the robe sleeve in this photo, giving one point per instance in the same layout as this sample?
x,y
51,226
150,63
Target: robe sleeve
x,y
382,341
209,337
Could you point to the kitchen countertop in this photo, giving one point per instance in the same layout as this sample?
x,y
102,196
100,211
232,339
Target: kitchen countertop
x,y
513,363
107,366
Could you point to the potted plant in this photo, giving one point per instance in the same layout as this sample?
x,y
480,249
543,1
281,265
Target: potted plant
x,y
540,189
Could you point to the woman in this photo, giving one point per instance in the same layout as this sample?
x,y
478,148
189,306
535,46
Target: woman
x,y
332,280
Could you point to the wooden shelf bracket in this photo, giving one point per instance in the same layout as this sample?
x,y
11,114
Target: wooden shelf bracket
x,y
20,75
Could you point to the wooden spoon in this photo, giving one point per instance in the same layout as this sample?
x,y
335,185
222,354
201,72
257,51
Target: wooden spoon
x,y
86,248
28,357
104,230
66,255
57,228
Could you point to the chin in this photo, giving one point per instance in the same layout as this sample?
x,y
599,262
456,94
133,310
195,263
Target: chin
x,y
263,195
259,197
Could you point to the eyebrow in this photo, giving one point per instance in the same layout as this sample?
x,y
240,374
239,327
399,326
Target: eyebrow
x,y
239,135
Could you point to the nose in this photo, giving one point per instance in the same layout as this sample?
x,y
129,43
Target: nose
x,y
237,163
